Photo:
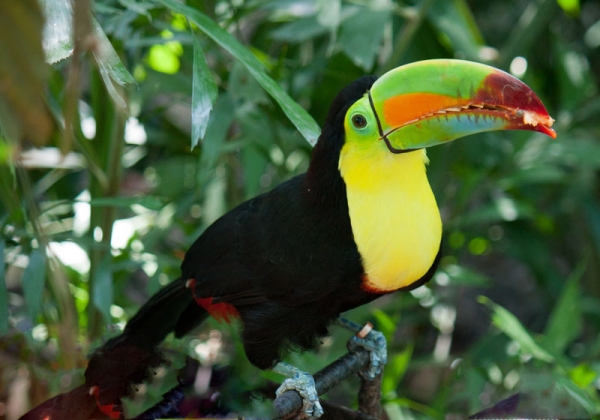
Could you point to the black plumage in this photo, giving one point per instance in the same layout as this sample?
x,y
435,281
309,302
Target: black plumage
x,y
285,260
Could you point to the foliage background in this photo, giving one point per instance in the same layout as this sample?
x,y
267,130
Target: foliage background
x,y
88,236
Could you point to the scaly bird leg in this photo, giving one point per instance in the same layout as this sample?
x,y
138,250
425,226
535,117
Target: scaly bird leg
x,y
372,341
304,384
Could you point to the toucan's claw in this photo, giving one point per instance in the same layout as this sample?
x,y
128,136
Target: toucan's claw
x,y
371,340
376,344
304,384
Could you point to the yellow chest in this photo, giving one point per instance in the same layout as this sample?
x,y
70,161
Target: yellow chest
x,y
395,220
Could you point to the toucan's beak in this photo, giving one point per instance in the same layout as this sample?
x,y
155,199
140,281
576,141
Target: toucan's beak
x,y
432,102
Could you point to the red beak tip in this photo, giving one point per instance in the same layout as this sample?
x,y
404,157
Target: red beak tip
x,y
539,122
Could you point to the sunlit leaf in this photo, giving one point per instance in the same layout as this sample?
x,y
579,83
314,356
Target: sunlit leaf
x,y
571,7
34,278
58,45
583,375
329,13
511,326
204,93
161,58
297,115
111,68
57,39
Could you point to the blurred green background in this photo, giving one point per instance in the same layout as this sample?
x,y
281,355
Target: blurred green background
x,y
102,192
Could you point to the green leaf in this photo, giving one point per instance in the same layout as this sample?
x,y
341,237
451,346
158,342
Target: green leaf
x,y
511,326
33,281
57,37
297,115
395,370
385,323
58,45
454,20
571,7
583,375
150,202
3,292
300,30
329,13
163,59
204,93
138,7
111,68
577,394
102,292
361,35
565,323
216,132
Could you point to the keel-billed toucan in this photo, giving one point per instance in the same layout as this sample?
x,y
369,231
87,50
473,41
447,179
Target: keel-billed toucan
x,y
360,223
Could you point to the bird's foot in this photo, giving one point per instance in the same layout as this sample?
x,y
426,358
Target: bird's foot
x,y
371,340
304,384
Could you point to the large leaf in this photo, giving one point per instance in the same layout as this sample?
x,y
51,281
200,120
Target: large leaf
x,y
361,35
511,326
111,68
297,115
34,278
58,45
565,323
579,395
204,93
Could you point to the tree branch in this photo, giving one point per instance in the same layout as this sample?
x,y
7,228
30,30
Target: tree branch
x,y
290,402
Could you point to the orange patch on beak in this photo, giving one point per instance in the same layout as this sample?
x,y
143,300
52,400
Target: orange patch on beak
x,y
403,109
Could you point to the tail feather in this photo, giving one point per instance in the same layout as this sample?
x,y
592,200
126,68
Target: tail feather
x,y
161,314
128,359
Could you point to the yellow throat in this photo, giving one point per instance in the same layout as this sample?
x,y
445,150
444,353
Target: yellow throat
x,y
395,219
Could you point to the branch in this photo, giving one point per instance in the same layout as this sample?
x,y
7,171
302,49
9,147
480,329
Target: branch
x,y
290,401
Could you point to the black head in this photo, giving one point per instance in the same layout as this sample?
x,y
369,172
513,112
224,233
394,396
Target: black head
x,y
344,100
323,172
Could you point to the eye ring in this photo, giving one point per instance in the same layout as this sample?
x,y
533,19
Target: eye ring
x,y
359,121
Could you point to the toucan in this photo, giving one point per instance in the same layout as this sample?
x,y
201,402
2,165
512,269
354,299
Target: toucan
x,y
362,221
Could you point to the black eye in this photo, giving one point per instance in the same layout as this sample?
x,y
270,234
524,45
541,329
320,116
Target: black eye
x,y
359,121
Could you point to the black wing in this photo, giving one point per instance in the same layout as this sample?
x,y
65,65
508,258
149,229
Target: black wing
x,y
280,247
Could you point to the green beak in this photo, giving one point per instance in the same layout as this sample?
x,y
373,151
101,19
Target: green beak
x,y
432,102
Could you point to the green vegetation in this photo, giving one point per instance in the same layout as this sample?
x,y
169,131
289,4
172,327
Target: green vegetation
x,y
89,234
